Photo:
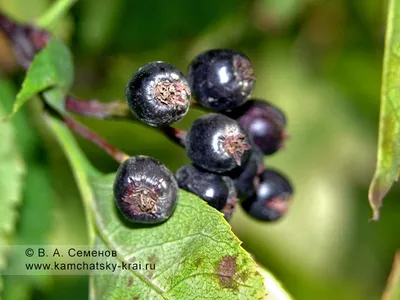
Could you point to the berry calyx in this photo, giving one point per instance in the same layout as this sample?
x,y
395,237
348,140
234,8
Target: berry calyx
x,y
221,79
145,191
216,190
158,94
217,143
264,123
271,199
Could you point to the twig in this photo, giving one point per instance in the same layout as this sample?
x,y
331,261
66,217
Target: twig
x,y
90,135
98,110
116,110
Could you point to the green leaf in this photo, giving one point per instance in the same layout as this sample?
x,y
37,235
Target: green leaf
x,y
195,252
51,67
11,176
274,287
388,160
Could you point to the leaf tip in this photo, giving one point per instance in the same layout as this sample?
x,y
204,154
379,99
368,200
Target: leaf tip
x,y
375,215
378,189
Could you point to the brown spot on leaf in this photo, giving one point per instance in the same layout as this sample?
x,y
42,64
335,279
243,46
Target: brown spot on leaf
x,y
152,259
135,298
226,271
129,283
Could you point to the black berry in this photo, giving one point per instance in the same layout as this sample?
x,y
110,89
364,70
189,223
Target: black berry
x,y
221,79
212,188
158,94
145,191
245,177
217,143
264,123
271,199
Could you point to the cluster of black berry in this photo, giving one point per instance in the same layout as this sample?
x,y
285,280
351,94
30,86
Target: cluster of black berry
x,y
226,148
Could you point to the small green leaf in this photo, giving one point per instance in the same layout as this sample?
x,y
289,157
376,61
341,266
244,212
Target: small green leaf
x,y
388,160
195,253
11,176
51,67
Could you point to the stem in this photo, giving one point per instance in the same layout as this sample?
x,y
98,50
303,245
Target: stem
x,y
54,13
116,110
88,134
97,109
176,135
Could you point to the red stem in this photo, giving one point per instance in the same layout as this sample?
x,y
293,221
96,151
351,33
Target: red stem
x,y
96,109
176,135
88,134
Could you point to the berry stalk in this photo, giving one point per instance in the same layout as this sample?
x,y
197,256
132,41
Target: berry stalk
x,y
90,135
95,109
176,135
116,110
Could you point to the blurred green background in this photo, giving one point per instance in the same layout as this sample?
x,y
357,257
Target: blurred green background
x,y
320,61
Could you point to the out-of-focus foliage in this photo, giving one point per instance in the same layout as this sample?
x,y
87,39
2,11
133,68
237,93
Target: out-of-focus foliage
x,y
11,174
320,61
392,291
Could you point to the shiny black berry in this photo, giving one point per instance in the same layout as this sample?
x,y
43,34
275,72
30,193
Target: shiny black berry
x,y
212,188
145,191
264,123
272,198
158,94
245,177
221,79
217,143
